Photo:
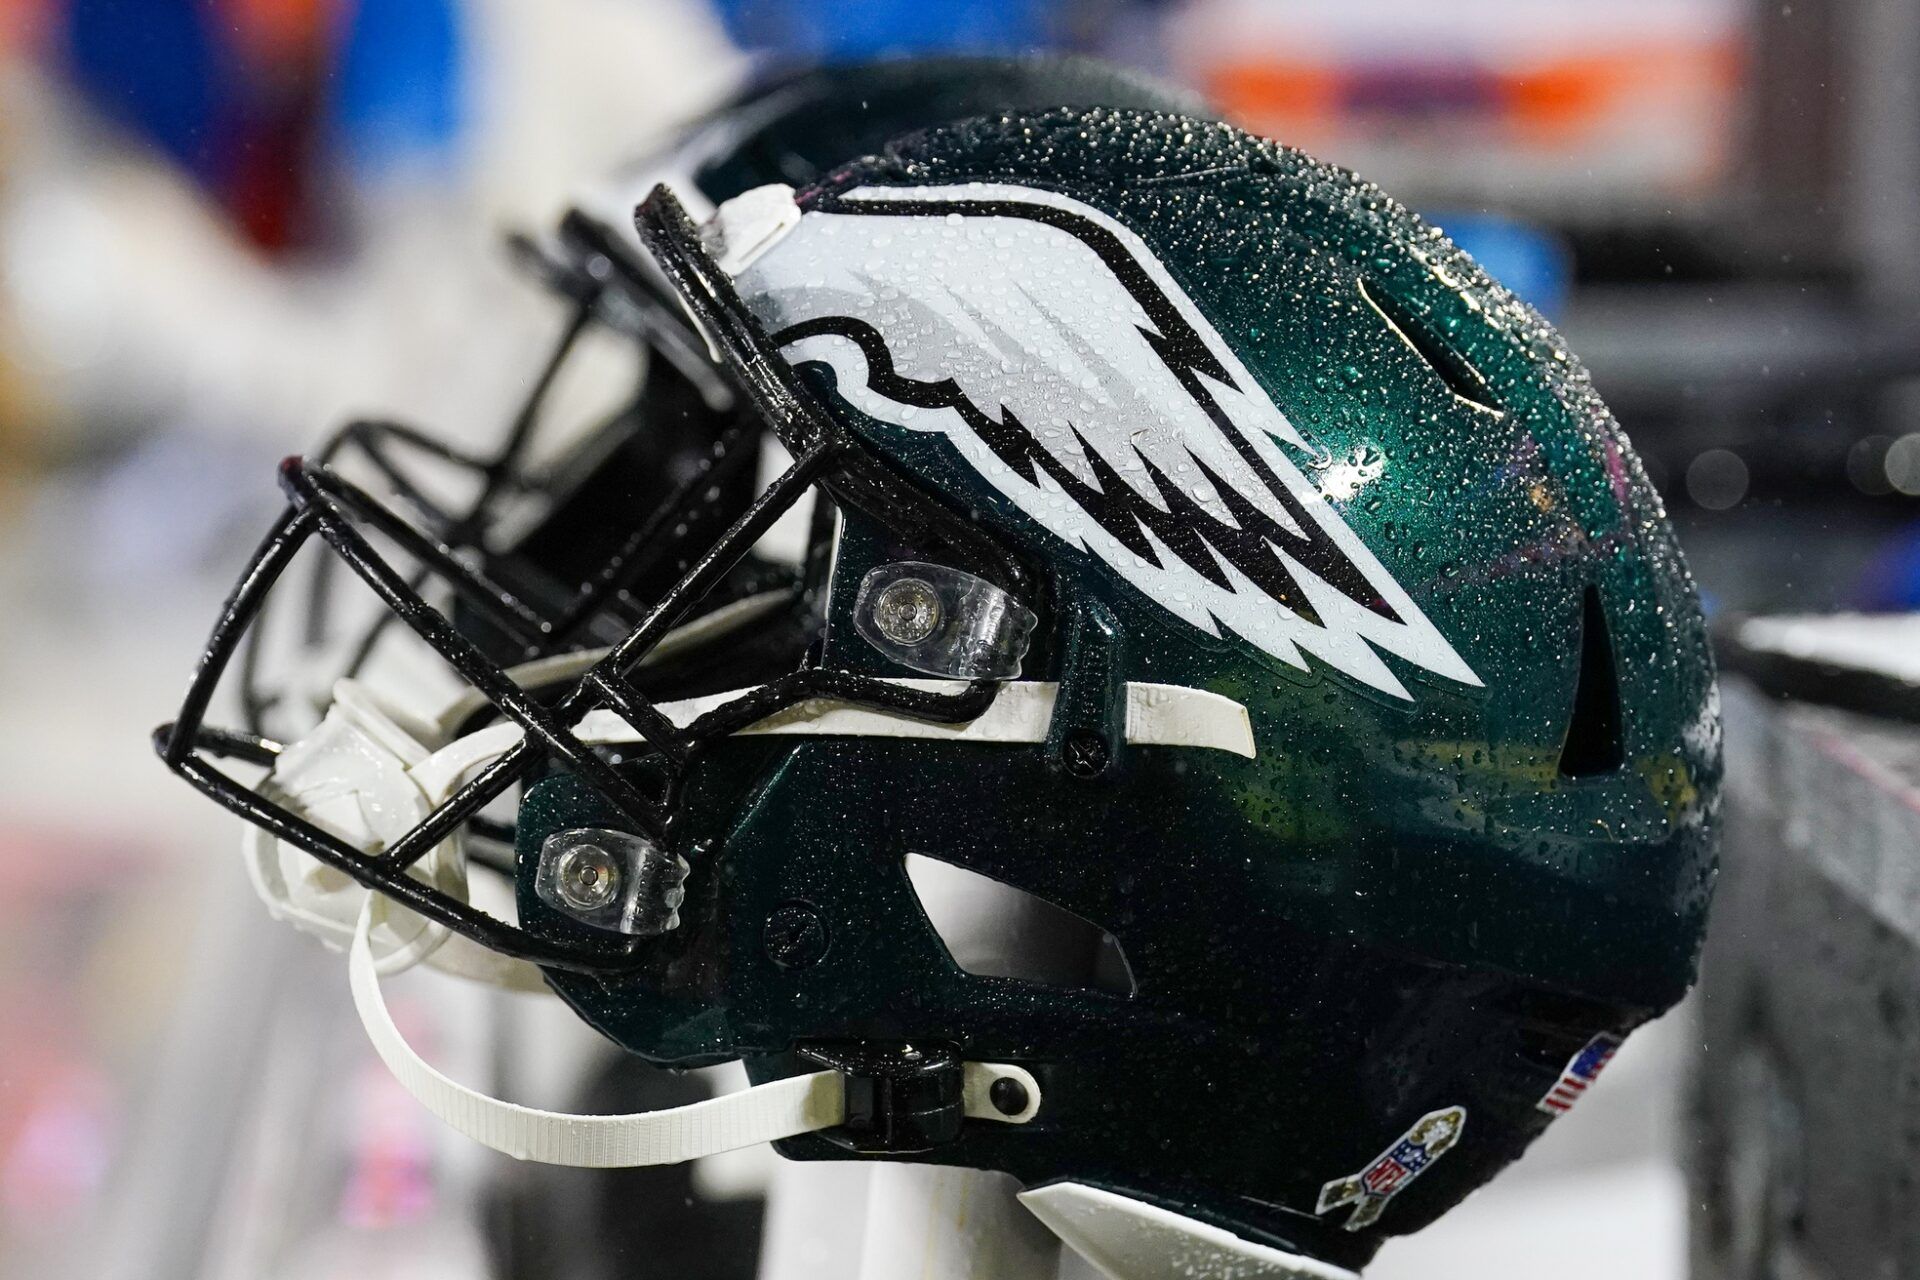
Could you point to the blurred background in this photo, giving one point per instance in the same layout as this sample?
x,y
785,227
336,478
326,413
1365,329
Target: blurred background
x,y
225,225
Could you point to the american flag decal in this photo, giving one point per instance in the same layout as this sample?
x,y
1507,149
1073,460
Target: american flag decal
x,y
1579,1074
1389,1172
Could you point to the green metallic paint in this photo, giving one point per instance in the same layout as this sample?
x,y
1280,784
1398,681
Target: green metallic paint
x,y
1396,906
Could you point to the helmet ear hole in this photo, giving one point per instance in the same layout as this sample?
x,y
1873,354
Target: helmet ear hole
x,y
1595,738
992,929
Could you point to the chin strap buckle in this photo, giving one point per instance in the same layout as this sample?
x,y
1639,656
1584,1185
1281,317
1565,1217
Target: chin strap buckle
x,y
901,1098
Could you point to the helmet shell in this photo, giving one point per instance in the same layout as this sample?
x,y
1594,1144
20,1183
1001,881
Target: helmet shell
x,y
1414,897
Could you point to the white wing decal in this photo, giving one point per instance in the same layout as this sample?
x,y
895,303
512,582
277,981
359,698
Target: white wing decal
x,y
1050,346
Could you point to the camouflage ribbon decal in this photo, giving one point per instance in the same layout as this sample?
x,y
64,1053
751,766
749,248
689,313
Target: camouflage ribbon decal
x,y
1431,1137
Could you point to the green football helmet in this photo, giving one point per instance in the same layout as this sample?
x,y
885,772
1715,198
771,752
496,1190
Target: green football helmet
x,y
1219,559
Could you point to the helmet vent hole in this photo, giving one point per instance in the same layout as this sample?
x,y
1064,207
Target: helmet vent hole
x,y
1418,333
994,930
1595,741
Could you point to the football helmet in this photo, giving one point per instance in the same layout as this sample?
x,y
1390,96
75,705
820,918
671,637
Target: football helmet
x,y
1217,555
534,509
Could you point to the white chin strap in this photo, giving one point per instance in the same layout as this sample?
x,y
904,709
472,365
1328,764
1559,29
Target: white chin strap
x,y
760,1113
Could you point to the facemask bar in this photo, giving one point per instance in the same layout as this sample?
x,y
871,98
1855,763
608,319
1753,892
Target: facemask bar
x,y
790,408
324,504
596,271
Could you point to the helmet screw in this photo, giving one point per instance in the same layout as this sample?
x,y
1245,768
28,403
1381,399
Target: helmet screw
x,y
1085,754
586,877
795,936
1008,1096
907,611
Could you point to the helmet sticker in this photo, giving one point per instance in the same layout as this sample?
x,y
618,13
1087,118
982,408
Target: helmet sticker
x,y
1073,373
1394,1169
1579,1074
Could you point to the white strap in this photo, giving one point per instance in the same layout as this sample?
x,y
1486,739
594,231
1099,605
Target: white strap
x,y
760,1113
542,673
1165,715
1157,715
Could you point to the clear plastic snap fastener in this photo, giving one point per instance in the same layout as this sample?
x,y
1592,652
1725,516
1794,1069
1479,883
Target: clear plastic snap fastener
x,y
906,611
612,880
942,621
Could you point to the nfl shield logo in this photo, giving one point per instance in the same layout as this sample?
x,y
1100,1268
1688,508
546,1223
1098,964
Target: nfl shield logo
x,y
1384,1177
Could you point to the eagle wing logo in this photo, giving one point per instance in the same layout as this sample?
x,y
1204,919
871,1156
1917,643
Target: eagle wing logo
x,y
1065,364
